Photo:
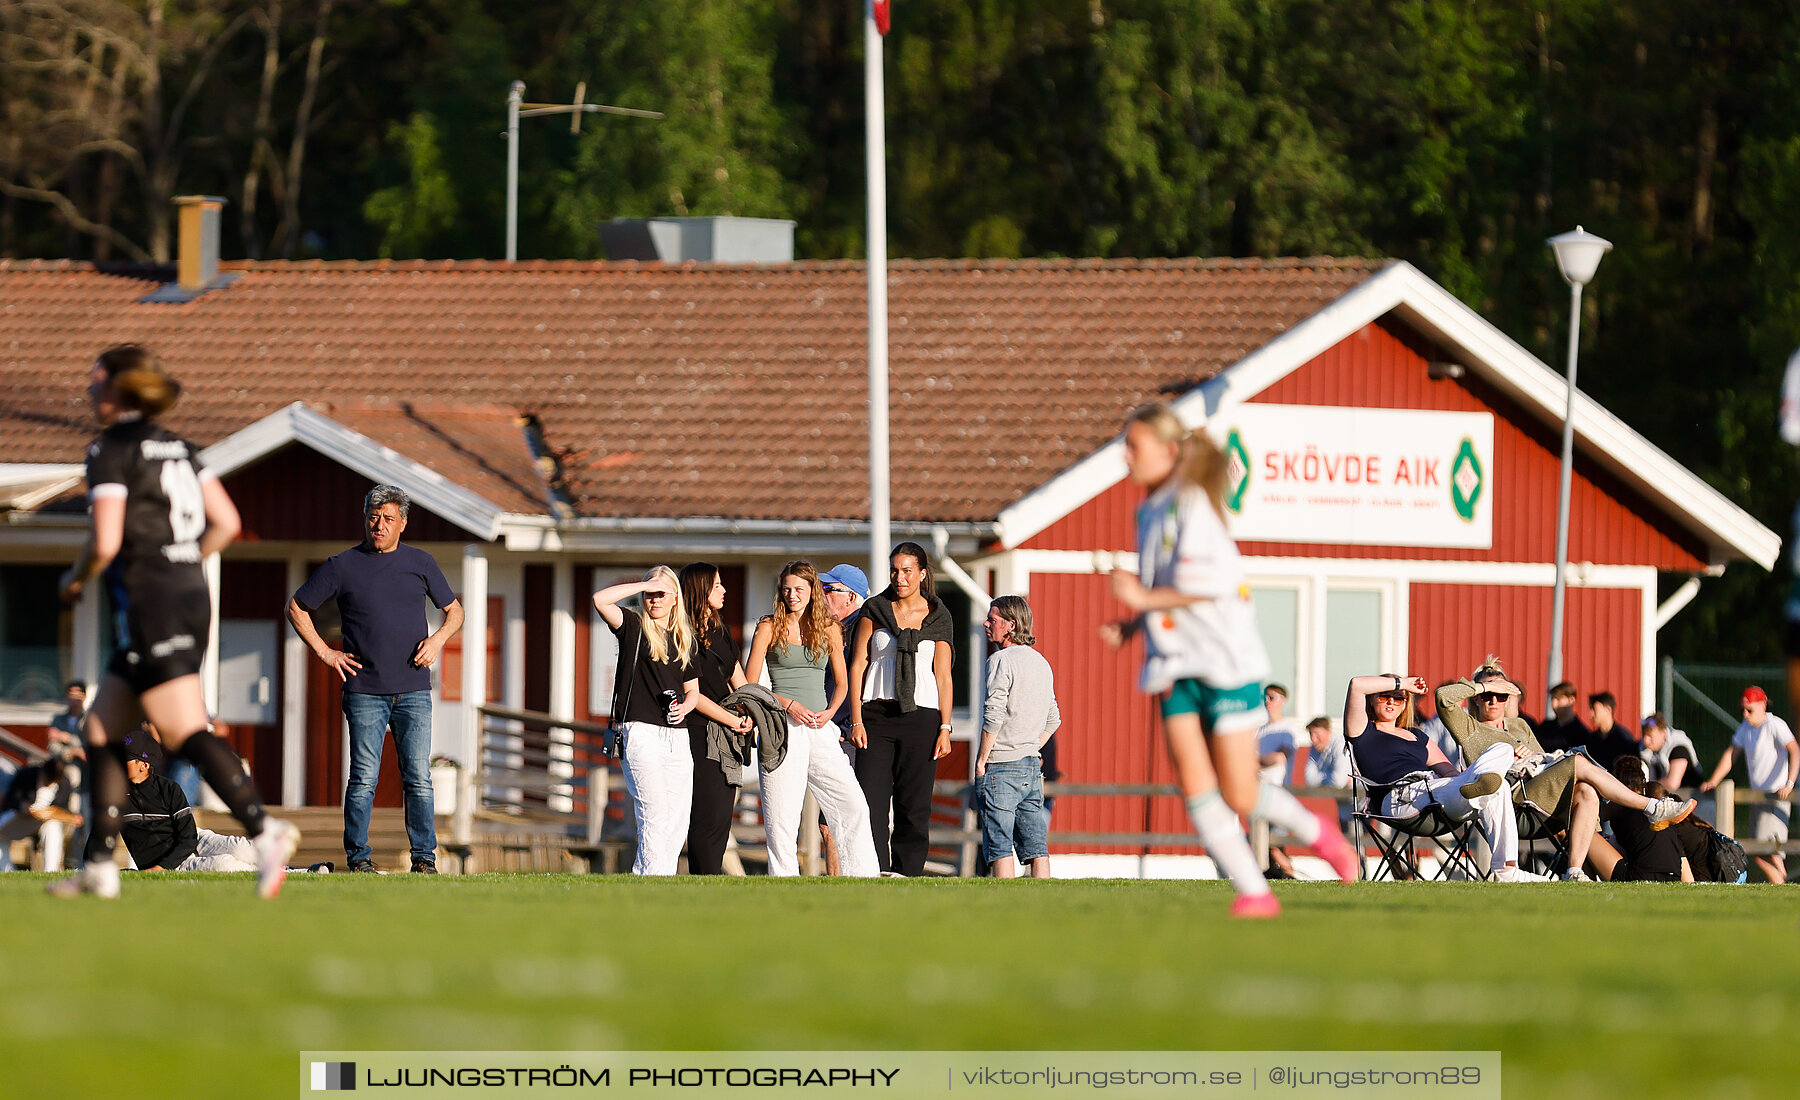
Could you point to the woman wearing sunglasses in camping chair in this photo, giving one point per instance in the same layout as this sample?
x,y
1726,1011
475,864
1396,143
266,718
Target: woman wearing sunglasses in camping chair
x,y
1565,788
1416,774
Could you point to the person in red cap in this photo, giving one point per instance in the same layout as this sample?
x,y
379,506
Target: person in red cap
x,y
1772,759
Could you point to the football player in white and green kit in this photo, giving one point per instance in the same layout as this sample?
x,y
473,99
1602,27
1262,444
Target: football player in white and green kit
x,y
1203,654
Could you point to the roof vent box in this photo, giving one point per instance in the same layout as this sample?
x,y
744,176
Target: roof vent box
x,y
708,240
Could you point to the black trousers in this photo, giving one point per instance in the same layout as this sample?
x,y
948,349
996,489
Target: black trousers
x,y
709,823
897,767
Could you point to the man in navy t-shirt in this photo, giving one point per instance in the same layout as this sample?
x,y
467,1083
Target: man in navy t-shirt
x,y
385,665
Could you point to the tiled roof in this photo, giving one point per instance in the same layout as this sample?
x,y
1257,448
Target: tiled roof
x,y
670,390
480,447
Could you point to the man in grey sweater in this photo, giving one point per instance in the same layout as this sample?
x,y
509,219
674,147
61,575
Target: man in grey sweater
x,y
1020,715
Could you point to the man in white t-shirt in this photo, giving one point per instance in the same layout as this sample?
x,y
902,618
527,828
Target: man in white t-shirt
x,y
1772,759
1278,741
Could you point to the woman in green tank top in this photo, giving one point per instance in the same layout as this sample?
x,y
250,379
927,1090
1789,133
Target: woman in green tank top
x,y
798,642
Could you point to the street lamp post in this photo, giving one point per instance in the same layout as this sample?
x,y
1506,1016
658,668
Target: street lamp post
x,y
1577,257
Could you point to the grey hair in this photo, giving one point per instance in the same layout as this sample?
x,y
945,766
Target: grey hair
x,y
386,494
1016,611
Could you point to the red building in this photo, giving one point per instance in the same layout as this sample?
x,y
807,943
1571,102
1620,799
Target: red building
x,y
563,424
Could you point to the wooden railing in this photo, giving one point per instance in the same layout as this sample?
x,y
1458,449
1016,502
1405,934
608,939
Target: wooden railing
x,y
532,767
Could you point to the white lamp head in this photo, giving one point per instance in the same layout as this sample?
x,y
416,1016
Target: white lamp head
x,y
1578,254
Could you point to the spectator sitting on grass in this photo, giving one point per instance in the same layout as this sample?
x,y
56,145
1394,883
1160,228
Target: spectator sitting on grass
x,y
1644,853
36,795
158,824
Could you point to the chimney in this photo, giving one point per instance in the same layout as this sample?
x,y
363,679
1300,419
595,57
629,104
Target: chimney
x,y
197,255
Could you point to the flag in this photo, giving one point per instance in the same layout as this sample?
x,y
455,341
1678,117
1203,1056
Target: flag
x,y
881,16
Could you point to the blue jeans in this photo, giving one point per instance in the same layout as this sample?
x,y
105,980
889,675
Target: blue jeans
x,y
370,716
1009,800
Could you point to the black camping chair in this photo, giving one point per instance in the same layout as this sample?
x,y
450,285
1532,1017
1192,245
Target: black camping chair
x,y
1396,838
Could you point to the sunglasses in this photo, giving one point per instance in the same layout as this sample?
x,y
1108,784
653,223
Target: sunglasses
x,y
1393,696
834,588
1491,697
650,597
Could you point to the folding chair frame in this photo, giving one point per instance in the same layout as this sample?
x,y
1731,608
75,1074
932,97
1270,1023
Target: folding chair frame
x,y
1398,847
1539,830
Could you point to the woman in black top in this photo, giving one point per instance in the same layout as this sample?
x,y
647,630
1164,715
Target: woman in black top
x,y
156,514
655,689
900,702
720,673
1645,853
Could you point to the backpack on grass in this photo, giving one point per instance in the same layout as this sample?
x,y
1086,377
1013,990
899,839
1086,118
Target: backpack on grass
x,y
1727,856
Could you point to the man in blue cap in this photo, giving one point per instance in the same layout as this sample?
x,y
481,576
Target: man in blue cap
x,y
846,587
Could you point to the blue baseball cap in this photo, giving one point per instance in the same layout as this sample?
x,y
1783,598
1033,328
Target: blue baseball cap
x,y
847,576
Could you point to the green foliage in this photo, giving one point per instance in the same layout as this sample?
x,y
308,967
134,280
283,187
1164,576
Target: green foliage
x,y
1455,134
411,215
699,62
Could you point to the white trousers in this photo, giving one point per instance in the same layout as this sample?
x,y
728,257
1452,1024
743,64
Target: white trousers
x,y
1498,825
659,776
221,853
815,762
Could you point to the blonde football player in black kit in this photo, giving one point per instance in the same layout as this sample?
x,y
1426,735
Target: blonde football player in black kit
x,y
156,515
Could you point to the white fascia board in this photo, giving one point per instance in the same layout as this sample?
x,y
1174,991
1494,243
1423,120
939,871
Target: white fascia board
x,y
16,474
1403,290
299,424
1440,315
719,535
1526,574
1103,469
26,485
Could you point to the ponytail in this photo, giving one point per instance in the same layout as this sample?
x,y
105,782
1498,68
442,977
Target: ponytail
x,y
1201,463
138,380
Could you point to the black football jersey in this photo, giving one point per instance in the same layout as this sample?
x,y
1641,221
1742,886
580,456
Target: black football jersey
x,y
158,474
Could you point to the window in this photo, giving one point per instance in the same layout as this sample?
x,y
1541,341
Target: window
x,y
1278,621
962,613
1354,645
35,635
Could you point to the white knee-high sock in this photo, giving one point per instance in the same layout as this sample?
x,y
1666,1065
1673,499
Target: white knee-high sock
x,y
1225,842
1278,806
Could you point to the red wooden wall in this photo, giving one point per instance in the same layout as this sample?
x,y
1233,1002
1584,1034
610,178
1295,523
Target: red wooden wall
x,y
1611,525
1109,727
1453,626
298,494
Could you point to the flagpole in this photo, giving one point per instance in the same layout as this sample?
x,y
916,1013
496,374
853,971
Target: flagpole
x,y
876,170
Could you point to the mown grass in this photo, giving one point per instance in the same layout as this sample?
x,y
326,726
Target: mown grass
x,y
189,986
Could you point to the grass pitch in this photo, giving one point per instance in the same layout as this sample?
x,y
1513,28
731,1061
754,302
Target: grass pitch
x,y
189,986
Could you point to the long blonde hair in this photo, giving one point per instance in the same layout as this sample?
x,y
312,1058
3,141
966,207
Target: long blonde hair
x,y
680,634
1199,461
815,621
